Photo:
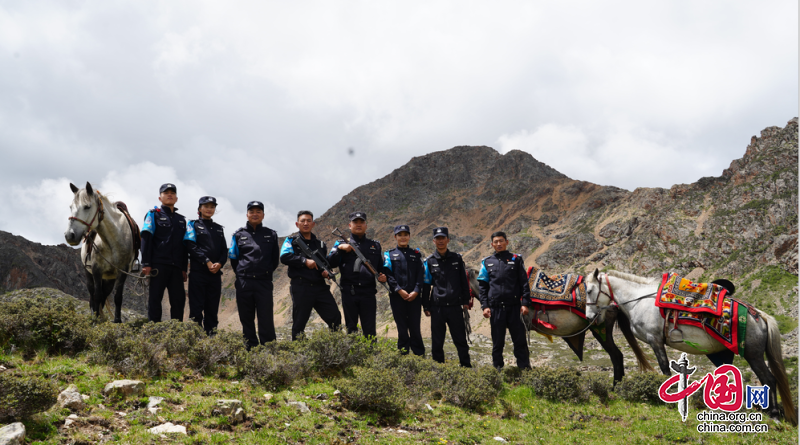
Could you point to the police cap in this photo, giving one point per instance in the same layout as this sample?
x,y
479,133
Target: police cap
x,y
440,231
168,186
398,229
256,204
207,200
358,215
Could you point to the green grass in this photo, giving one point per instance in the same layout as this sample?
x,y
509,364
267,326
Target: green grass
x,y
517,415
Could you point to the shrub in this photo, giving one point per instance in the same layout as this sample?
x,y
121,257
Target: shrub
x,y
209,353
39,323
272,370
464,387
641,387
597,384
329,351
557,384
492,376
373,390
512,374
175,337
24,395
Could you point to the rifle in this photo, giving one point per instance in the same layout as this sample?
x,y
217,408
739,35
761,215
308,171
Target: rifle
x,y
361,257
321,261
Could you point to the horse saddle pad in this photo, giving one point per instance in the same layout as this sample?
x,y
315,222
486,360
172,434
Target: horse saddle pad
x,y
558,290
729,328
681,294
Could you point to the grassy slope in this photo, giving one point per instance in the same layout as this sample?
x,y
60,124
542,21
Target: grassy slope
x,y
189,399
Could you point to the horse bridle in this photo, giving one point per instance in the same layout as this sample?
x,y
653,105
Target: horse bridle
x,y
610,295
98,215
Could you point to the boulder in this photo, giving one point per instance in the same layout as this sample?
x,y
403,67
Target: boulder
x,y
302,407
70,398
13,434
124,388
228,407
168,428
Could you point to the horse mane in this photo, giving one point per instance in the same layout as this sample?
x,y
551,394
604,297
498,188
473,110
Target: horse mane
x,y
632,277
84,198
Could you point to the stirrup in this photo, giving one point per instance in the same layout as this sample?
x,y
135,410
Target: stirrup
x,y
674,328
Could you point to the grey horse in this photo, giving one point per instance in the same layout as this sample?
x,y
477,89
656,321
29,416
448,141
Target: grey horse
x,y
110,246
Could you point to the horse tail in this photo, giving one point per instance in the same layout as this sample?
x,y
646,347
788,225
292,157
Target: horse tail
x,y
775,360
625,327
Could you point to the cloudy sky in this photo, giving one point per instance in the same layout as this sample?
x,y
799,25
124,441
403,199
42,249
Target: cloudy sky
x,y
263,99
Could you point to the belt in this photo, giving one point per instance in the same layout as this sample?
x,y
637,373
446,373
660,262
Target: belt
x,y
263,275
299,281
514,304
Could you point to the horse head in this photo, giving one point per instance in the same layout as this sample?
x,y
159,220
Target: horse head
x,y
596,298
86,210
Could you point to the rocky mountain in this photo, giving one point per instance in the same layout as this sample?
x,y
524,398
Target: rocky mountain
x,y
741,225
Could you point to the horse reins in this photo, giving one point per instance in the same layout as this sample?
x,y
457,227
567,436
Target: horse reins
x,y
610,295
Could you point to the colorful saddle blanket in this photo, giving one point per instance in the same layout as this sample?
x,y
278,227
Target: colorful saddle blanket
x,y
566,290
681,294
728,328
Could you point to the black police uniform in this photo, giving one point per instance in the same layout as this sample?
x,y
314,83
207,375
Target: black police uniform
x,y
504,289
163,250
445,291
358,283
307,286
205,241
404,270
254,257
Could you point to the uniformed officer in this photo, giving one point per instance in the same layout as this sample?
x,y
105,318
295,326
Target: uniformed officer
x,y
307,286
254,257
504,295
164,256
405,274
358,283
444,296
205,241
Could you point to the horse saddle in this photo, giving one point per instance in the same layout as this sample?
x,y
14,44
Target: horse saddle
x,y
681,294
562,289
136,236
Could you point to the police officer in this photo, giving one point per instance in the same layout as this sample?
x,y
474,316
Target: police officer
x,y
205,241
405,275
358,283
164,256
504,295
254,257
307,286
444,296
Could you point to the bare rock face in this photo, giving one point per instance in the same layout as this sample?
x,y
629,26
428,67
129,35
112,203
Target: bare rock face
x,y
70,398
124,388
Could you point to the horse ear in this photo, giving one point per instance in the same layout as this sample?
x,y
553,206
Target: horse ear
x,y
73,187
596,275
89,190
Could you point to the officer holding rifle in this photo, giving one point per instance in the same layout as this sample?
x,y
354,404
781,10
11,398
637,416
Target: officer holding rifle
x,y
308,268
358,275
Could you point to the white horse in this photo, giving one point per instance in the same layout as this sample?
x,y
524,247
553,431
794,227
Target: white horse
x,y
110,249
636,295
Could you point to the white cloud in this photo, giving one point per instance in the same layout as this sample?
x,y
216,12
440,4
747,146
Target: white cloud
x,y
42,210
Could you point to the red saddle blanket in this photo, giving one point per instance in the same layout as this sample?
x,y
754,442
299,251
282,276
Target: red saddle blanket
x,y
681,294
563,290
729,328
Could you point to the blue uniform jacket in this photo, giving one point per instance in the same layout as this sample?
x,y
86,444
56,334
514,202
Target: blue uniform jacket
x,y
292,256
162,239
503,281
205,241
445,281
350,267
254,252
404,270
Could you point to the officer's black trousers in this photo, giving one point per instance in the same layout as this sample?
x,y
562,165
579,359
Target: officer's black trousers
x,y
407,318
361,306
254,299
451,317
205,290
307,296
508,318
169,278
